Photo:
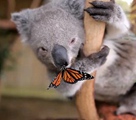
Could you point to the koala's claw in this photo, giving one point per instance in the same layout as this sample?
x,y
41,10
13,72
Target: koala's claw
x,y
101,4
100,57
103,52
101,11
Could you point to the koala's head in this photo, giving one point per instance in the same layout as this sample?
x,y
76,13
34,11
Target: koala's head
x,y
54,34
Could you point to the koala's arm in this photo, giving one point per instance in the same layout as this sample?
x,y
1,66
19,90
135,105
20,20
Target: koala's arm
x,y
92,62
113,15
108,12
118,25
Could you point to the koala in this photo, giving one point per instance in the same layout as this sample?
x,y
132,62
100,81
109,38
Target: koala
x,y
55,32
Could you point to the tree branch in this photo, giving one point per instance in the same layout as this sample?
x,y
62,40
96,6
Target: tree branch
x,y
94,36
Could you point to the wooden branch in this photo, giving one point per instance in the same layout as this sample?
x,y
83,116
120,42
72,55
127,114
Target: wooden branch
x,y
11,7
85,97
7,24
35,3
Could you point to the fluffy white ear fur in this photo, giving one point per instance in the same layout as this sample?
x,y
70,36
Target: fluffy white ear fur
x,y
23,21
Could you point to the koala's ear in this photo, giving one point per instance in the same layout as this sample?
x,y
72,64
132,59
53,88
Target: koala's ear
x,y
23,21
76,7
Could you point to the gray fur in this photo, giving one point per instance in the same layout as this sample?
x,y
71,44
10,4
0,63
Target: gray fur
x,y
61,21
128,104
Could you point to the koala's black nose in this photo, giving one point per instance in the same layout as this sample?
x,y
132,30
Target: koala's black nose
x,y
59,54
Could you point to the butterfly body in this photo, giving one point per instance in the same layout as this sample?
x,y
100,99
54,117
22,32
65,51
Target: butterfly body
x,y
70,76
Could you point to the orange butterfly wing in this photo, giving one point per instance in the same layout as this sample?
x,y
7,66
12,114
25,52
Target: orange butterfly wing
x,y
72,76
75,73
68,78
56,82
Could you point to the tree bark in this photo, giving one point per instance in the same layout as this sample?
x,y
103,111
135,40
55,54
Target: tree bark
x,y
94,36
7,24
35,3
11,7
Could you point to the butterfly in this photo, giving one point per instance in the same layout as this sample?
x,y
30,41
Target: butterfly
x,y
70,76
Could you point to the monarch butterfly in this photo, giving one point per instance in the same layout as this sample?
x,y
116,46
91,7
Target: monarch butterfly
x,y
69,76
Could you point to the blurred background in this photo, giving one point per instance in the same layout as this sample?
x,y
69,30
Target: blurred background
x,y
23,79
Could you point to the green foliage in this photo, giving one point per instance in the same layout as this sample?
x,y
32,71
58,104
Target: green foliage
x,y
124,5
6,40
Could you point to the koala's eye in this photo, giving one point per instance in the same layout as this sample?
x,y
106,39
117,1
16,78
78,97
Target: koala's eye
x,y
73,40
42,51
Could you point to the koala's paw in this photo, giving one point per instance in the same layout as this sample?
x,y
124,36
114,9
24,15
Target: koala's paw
x,y
125,110
100,57
102,11
121,110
